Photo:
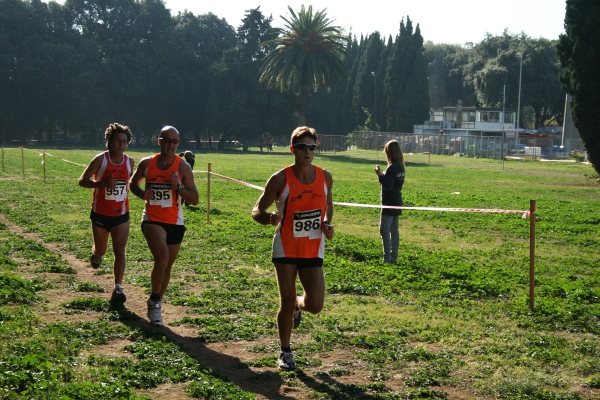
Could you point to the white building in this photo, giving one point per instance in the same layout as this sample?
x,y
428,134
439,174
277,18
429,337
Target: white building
x,y
464,121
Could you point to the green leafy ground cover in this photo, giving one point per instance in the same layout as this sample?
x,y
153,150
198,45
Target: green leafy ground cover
x,y
450,320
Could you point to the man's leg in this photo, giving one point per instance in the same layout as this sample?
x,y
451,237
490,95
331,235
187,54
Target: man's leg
x,y
156,237
100,245
100,240
286,282
313,283
173,251
119,235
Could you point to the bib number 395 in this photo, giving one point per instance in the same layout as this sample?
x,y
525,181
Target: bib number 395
x,y
161,195
307,224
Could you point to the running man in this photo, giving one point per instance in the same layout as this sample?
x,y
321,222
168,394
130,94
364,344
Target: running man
x,y
111,170
302,193
168,180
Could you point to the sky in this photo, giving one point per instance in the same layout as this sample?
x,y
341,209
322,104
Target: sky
x,y
441,21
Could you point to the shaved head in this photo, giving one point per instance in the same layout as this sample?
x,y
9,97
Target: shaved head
x,y
168,128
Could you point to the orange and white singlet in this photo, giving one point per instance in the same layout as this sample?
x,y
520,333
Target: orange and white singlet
x,y
165,205
107,201
302,207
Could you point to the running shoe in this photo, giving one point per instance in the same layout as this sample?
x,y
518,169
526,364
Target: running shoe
x,y
286,361
118,295
297,315
155,313
95,261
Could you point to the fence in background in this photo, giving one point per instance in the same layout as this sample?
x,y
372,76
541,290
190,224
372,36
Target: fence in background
x,y
481,146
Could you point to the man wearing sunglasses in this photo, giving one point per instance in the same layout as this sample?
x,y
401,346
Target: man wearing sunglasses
x,y
302,194
168,180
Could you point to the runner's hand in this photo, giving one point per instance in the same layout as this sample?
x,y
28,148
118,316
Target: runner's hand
x,y
110,183
275,218
174,179
327,230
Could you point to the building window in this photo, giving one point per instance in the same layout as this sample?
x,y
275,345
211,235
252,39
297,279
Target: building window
x,y
450,115
489,116
509,118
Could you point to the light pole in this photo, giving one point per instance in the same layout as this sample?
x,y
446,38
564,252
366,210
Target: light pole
x,y
519,102
374,98
503,113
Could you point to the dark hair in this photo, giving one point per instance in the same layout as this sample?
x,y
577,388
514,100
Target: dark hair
x,y
188,155
117,128
301,132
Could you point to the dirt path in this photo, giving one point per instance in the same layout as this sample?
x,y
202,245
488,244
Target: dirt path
x,y
225,358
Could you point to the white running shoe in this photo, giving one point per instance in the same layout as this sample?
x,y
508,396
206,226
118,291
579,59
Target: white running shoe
x,y
286,361
155,313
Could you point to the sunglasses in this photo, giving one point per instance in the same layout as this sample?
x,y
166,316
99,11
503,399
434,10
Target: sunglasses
x,y
304,146
167,140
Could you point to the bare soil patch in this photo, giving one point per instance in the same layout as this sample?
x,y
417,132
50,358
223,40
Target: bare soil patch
x,y
228,358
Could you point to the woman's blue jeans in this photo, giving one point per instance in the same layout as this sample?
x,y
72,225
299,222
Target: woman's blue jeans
x,y
390,236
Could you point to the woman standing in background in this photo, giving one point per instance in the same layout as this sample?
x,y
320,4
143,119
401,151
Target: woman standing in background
x,y
391,181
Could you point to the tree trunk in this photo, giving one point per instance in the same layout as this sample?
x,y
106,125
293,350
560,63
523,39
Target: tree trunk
x,y
303,105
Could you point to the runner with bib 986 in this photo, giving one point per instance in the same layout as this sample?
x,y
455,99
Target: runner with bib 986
x,y
302,194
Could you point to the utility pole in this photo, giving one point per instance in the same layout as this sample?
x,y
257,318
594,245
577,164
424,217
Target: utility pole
x,y
503,112
519,103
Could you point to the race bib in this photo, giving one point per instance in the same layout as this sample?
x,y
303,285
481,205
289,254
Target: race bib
x,y
161,195
119,193
307,224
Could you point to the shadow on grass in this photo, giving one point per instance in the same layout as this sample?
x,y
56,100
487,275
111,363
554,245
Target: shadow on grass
x,y
335,389
226,367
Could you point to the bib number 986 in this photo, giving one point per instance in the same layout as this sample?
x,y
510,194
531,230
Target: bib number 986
x,y
307,224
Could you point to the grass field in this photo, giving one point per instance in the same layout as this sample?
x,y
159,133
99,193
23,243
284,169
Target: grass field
x,y
450,321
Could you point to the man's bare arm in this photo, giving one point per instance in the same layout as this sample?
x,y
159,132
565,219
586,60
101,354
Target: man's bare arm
x,y
273,188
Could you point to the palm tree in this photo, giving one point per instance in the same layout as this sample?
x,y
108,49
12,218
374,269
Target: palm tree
x,y
307,54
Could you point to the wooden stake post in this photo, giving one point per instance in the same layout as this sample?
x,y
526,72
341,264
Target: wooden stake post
x,y
23,161
44,162
208,196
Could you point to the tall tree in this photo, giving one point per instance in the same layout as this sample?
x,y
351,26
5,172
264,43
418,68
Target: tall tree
x,y
347,115
380,107
363,96
405,78
446,75
241,107
309,56
579,52
326,113
495,62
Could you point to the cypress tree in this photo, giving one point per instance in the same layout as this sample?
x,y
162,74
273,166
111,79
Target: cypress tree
x,y
364,87
380,112
347,116
579,53
405,80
